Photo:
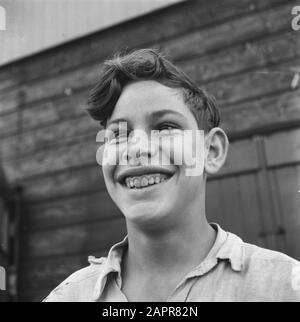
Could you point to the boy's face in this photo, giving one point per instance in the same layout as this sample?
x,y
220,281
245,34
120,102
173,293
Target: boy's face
x,y
156,192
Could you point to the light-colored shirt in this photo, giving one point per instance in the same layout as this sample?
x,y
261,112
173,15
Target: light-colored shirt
x,y
232,271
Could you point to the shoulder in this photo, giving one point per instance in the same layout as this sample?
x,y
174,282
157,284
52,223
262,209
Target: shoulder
x,y
272,273
80,285
257,255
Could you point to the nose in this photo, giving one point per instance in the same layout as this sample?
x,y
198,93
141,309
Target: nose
x,y
139,149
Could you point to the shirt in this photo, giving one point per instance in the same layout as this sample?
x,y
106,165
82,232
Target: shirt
x,y
232,271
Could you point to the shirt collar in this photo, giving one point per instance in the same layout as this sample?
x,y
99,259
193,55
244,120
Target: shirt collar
x,y
227,246
233,250
111,264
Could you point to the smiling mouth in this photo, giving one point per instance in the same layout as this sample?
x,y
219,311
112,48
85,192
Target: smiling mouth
x,y
145,181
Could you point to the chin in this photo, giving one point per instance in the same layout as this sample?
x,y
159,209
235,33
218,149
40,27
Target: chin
x,y
144,214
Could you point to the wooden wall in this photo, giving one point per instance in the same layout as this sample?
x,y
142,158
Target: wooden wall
x,y
244,52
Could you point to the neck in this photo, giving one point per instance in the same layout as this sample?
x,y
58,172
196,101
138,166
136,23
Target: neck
x,y
185,246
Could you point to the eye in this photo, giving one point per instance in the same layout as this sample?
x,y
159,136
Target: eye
x,y
168,128
118,136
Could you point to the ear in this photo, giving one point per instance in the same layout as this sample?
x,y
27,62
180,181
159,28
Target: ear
x,y
216,146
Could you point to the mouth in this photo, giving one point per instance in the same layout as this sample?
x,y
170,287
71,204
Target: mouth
x,y
145,182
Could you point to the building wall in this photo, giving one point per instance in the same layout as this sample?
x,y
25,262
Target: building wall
x,y
244,52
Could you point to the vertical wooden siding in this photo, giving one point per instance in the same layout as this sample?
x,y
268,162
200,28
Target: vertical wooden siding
x,y
244,52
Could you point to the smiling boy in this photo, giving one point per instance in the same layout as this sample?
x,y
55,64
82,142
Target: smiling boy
x,y
171,252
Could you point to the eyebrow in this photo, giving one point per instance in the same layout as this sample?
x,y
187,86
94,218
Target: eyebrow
x,y
158,114
154,116
116,121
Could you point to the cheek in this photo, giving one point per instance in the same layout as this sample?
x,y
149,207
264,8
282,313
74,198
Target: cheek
x,y
194,159
172,150
178,149
106,158
112,155
108,172
186,151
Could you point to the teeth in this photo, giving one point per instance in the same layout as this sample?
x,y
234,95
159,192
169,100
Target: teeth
x,y
137,183
151,180
144,181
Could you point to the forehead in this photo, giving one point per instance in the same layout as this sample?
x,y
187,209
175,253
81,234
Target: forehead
x,y
142,99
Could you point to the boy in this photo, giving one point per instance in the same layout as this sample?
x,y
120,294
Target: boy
x,y
171,252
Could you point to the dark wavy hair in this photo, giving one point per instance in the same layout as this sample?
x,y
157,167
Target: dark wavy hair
x,y
148,64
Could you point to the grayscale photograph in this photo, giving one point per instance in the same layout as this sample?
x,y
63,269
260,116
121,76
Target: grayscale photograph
x,y
149,152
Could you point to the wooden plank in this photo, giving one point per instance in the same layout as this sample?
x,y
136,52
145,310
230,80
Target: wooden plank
x,y
10,75
86,76
252,54
214,202
277,211
223,35
251,216
141,31
72,240
64,184
48,273
242,217
242,157
41,114
69,211
9,101
69,82
288,183
283,148
253,84
265,199
288,179
292,237
78,154
46,137
231,210
262,113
